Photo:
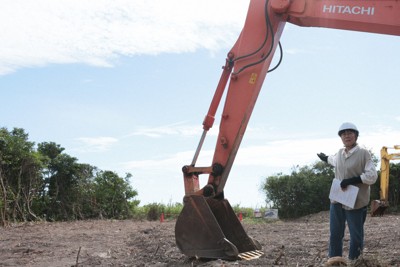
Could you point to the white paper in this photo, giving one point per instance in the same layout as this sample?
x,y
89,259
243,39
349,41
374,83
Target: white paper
x,y
346,197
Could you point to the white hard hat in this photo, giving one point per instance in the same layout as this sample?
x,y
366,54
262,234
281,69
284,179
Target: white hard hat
x,y
347,126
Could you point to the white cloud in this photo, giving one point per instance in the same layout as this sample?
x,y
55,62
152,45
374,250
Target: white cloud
x,y
161,163
95,144
264,148
282,154
41,32
171,129
162,175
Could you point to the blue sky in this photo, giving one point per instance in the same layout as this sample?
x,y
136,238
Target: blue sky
x,y
125,86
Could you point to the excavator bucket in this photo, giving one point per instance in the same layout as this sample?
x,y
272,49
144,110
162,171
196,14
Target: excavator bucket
x,y
209,228
378,208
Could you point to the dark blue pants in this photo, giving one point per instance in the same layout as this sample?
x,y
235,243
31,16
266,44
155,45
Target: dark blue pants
x,y
355,220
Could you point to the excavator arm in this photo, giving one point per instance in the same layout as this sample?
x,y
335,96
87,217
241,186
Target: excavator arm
x,y
207,226
378,207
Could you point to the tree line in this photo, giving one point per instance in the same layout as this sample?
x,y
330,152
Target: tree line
x,y
43,182
305,191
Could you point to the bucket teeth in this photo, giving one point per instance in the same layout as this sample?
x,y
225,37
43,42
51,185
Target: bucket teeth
x,y
251,255
209,228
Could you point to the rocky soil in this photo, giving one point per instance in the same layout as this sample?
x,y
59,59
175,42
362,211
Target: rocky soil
x,y
301,242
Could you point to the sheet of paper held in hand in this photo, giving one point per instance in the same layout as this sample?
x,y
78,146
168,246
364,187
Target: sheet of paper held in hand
x,y
346,197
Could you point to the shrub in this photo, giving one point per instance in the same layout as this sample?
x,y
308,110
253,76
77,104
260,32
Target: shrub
x,y
304,191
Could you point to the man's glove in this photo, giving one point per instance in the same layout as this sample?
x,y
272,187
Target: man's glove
x,y
323,157
353,181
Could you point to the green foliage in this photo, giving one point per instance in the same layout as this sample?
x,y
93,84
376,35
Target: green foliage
x,y
246,212
304,191
20,177
173,210
153,211
48,183
112,195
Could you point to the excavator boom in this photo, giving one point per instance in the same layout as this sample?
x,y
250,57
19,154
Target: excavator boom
x,y
378,207
207,226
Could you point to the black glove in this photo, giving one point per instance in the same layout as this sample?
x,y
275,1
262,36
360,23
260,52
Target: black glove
x,y
352,180
323,157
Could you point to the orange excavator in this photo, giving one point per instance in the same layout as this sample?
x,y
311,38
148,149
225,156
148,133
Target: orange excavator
x,y
207,226
378,207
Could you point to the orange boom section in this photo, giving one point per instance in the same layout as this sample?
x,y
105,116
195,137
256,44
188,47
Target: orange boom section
x,y
207,226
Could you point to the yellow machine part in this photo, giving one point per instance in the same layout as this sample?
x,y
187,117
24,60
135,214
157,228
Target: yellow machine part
x,y
378,207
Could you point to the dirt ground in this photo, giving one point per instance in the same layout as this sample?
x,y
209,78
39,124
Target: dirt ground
x,y
301,242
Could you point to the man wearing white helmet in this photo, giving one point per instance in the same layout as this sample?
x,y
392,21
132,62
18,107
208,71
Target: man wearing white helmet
x,y
353,166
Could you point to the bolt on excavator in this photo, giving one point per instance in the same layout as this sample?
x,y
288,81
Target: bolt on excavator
x,y
207,227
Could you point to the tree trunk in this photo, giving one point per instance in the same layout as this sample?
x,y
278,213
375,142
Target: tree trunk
x,y
3,210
